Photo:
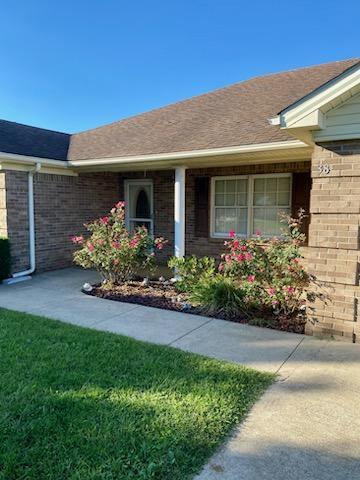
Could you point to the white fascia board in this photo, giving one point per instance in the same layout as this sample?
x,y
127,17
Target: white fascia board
x,y
11,161
193,154
313,121
320,98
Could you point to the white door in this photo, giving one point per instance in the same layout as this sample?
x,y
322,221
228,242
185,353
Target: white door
x,y
139,204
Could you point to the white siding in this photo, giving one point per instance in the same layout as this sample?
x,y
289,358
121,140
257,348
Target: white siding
x,y
343,122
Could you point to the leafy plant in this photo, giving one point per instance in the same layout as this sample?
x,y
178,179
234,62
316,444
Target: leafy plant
x,y
113,251
272,267
5,259
219,295
191,270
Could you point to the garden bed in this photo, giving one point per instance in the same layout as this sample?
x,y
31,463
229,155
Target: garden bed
x,y
164,295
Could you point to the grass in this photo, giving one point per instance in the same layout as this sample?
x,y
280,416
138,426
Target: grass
x,y
81,404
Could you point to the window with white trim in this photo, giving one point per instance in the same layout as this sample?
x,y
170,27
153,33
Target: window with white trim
x,y
249,203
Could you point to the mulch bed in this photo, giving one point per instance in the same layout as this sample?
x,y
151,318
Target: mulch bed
x,y
164,295
156,294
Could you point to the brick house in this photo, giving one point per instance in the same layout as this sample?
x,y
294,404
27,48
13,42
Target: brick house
x,y
192,171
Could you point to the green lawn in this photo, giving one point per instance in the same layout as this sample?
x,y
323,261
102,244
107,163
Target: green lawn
x,y
81,404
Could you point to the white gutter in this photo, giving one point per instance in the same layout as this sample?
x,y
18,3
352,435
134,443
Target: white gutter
x,y
25,275
192,154
26,160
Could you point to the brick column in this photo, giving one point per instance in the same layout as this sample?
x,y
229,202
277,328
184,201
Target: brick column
x,y
333,254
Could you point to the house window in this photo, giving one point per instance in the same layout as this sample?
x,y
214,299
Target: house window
x,y
249,203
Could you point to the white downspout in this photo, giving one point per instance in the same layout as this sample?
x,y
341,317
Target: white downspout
x,y
25,275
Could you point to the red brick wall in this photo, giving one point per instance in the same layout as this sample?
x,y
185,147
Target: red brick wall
x,y
211,246
62,205
163,182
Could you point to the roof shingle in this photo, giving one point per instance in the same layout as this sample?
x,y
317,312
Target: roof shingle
x,y
231,116
234,115
32,141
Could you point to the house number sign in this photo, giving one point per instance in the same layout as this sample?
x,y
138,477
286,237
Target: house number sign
x,y
324,168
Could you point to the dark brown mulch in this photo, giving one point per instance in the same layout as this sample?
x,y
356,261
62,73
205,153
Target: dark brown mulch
x,y
164,295
156,294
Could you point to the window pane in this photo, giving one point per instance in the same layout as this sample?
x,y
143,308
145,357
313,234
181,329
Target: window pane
x,y
284,184
242,218
267,220
270,198
259,185
139,200
219,199
230,199
227,219
219,186
241,188
283,198
259,198
241,199
271,184
230,186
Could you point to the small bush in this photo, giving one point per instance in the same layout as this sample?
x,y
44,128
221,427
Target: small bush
x,y
272,267
113,251
219,295
5,259
191,270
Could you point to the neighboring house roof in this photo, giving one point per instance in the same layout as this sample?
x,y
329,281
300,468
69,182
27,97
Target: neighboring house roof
x,y
32,141
231,116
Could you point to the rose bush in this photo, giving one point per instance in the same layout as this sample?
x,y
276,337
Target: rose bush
x,y
270,270
257,276
113,251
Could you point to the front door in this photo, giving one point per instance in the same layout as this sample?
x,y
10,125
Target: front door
x,y
139,204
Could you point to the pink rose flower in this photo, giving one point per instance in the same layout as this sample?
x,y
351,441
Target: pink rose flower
x,y
241,257
133,243
90,247
258,233
104,220
290,290
116,245
251,278
243,248
78,240
120,204
235,244
232,233
248,256
221,267
271,291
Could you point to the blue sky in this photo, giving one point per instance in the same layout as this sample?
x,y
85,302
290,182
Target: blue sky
x,y
74,65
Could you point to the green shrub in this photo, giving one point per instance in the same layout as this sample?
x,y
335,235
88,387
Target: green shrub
x,y
116,253
270,270
191,270
219,295
5,259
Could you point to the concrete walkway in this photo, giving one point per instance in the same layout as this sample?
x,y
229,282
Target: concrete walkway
x,y
306,426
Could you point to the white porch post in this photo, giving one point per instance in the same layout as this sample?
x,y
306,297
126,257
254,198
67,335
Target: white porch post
x,y
179,211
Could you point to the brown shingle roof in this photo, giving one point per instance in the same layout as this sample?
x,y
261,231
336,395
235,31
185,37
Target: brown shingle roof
x,y
235,115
